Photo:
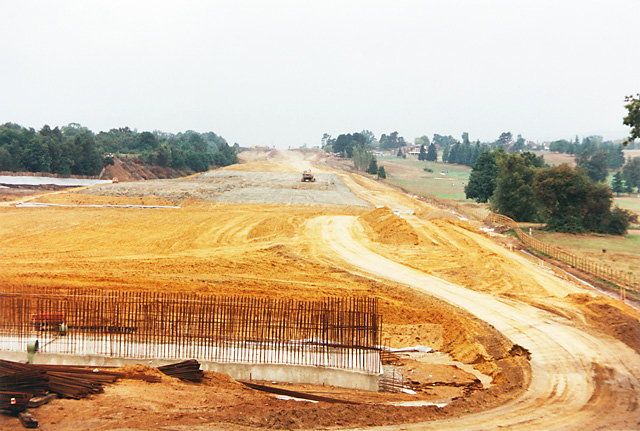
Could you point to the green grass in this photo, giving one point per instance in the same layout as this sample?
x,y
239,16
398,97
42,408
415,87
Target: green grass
x,y
409,174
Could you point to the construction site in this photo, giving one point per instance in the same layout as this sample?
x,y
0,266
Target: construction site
x,y
286,293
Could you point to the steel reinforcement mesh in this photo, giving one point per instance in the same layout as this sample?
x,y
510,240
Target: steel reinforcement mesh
x,y
332,332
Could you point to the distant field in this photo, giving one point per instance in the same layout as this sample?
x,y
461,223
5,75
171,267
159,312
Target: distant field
x,y
554,159
446,181
631,153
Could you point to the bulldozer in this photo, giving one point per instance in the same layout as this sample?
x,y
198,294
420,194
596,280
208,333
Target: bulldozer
x,y
307,176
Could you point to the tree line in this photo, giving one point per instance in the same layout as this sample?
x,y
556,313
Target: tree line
x,y
76,150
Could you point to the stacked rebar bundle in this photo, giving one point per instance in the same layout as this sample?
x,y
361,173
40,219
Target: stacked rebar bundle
x,y
23,379
186,370
65,381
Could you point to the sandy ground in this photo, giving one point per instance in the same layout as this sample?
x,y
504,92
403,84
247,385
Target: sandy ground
x,y
441,283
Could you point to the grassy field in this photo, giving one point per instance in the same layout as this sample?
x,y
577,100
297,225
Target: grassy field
x,y
621,252
446,181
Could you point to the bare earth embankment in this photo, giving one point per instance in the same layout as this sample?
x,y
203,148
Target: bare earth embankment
x,y
256,229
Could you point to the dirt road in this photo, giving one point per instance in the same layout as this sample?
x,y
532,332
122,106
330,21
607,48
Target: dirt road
x,y
579,380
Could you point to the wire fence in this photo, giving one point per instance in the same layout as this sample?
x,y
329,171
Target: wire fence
x,y
331,332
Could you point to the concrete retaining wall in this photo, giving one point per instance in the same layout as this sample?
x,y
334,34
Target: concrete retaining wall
x,y
260,372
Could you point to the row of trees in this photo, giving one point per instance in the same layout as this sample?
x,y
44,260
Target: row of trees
x,y
520,186
74,149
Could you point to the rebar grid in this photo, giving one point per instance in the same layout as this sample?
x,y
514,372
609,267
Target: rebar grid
x,y
332,332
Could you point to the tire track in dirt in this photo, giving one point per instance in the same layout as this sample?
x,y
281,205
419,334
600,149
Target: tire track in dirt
x,y
568,389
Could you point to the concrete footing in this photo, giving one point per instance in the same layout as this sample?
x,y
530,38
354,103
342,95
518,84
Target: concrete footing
x,y
261,372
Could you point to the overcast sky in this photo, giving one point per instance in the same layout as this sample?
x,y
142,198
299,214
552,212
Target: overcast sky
x,y
282,73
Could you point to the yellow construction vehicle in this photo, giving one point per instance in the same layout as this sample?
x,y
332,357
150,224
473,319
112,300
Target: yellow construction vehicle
x,y
307,176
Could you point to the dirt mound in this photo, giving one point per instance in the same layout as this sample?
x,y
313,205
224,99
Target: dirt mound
x,y
389,228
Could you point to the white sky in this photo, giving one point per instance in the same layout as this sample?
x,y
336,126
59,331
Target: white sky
x,y
281,73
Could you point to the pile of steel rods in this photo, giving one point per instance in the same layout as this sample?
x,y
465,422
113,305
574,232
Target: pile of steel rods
x,y
66,381
186,370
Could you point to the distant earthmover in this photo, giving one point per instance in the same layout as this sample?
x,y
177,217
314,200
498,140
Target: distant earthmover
x,y
307,176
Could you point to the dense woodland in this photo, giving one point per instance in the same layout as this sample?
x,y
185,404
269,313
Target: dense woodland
x,y
76,150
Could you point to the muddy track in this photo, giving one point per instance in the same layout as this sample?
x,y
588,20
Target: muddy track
x,y
579,380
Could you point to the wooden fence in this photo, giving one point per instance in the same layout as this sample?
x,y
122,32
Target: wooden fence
x,y
332,332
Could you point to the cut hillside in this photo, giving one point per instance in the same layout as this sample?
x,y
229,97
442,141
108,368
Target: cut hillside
x,y
134,169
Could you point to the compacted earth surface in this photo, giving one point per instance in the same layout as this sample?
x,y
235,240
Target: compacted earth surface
x,y
517,345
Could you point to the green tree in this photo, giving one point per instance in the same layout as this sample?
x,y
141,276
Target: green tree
x,y
483,176
561,146
361,157
392,141
6,161
162,156
594,164
345,143
615,157
572,203
369,137
423,153
373,167
513,195
620,220
597,166
225,155
518,146
36,157
87,160
465,139
432,154
422,140
325,141
504,140
631,173
401,154
617,184
562,192
445,155
381,173
454,153
633,117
